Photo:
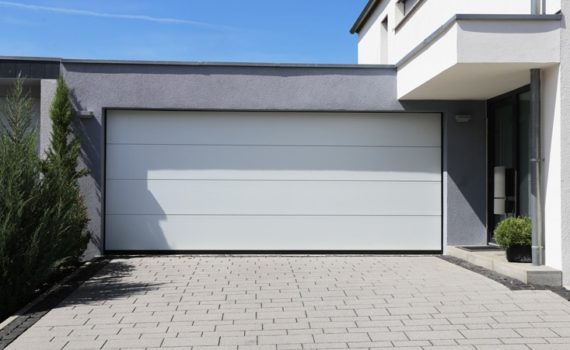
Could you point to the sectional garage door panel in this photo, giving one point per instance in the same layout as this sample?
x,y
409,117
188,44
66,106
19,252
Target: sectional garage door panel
x,y
266,128
178,232
159,162
272,181
273,198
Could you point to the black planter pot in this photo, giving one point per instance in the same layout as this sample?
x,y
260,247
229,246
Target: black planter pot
x,y
519,253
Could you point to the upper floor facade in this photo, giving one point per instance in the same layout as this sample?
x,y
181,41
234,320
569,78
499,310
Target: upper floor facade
x,y
388,30
439,45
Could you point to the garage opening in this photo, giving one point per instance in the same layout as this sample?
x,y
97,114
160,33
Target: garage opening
x,y
272,181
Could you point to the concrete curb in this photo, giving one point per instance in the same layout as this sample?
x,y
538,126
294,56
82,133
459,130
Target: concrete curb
x,y
495,261
27,316
509,282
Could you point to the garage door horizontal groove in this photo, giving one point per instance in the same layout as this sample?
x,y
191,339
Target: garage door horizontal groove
x,y
266,145
273,180
284,215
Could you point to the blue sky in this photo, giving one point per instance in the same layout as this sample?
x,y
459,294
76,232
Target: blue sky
x,y
297,31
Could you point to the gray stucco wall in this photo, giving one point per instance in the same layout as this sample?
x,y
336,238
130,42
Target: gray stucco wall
x,y
47,88
96,86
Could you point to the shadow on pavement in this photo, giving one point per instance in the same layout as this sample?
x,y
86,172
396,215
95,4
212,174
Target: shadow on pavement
x,y
114,281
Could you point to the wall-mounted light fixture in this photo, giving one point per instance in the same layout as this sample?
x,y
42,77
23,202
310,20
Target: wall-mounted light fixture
x,y
85,114
463,118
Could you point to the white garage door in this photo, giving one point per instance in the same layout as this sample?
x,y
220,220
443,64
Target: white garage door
x,y
272,181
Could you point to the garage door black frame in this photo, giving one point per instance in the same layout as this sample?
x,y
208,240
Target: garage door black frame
x,y
259,252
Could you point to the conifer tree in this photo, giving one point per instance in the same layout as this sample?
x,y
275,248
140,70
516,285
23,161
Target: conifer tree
x,y
25,243
61,177
43,220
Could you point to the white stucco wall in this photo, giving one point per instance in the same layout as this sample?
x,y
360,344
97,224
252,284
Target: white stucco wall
x,y
369,37
551,168
427,19
509,42
552,6
440,71
434,59
564,88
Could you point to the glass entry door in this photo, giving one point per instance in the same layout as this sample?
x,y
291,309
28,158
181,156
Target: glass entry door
x,y
509,157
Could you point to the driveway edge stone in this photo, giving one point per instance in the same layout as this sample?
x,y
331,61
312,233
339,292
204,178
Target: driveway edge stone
x,y
26,317
511,283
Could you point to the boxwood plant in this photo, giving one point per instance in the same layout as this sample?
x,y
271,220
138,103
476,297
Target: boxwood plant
x,y
514,231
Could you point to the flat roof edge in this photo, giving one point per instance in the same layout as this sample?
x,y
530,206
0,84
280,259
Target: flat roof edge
x,y
31,59
507,17
364,15
194,63
227,64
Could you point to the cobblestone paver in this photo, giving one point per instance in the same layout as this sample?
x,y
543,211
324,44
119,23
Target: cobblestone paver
x,y
288,303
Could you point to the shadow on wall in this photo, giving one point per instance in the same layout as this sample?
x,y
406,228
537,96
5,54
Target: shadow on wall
x,y
91,133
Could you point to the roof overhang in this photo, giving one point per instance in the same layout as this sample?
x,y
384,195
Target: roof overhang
x,y
477,57
364,15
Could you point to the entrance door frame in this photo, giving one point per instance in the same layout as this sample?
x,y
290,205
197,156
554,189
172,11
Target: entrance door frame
x,y
513,96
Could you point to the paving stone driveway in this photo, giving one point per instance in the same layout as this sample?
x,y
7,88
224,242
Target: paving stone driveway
x,y
279,302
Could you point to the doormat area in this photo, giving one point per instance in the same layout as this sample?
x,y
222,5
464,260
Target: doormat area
x,y
486,248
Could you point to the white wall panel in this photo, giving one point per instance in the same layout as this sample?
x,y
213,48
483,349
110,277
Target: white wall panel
x,y
272,181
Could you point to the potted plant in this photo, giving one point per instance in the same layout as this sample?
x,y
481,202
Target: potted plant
x,y
515,236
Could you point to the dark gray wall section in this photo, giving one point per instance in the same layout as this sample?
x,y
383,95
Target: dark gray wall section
x,y
466,166
30,69
32,87
465,169
96,86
